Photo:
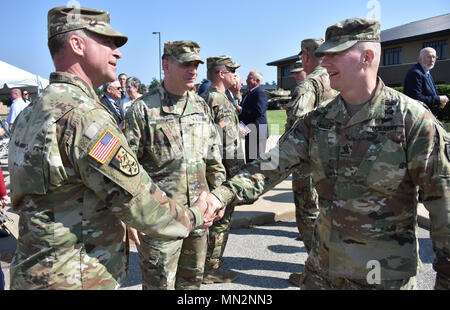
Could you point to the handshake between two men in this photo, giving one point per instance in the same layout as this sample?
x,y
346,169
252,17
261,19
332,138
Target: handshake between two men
x,y
211,207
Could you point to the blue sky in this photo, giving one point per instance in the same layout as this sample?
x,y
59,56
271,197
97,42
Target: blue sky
x,y
252,32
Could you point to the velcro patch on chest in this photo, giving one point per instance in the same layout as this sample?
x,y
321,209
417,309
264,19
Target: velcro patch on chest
x,y
104,147
125,162
224,123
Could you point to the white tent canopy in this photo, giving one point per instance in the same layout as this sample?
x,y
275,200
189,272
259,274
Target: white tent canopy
x,y
13,77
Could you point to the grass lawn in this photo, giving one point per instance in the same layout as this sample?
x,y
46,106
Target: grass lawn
x,y
276,120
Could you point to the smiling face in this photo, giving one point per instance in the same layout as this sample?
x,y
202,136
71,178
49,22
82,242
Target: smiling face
x,y
344,68
100,58
114,90
131,90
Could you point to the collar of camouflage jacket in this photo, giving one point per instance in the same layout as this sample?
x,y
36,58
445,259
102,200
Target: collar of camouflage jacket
x,y
68,78
374,110
319,69
168,107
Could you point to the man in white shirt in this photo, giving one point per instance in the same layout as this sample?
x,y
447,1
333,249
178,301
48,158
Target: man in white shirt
x,y
18,104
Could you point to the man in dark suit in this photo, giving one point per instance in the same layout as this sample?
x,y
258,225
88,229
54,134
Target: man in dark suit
x,y
419,84
123,84
110,100
253,114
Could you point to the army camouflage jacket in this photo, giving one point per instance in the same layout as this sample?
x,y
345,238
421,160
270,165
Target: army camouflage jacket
x,y
177,144
74,180
314,89
365,169
225,116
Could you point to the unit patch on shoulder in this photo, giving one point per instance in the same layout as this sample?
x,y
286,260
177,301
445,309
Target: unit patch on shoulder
x,y
104,147
125,162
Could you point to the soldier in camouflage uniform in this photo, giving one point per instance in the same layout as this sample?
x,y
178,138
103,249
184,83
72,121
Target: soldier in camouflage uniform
x,y
370,149
171,131
299,74
74,178
221,73
308,95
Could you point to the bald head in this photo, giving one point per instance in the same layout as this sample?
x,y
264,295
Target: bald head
x,y
16,93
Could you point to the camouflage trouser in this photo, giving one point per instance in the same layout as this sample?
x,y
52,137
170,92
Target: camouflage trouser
x,y
306,203
169,265
217,240
312,280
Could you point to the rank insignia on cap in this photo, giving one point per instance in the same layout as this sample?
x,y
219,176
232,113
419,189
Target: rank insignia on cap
x,y
104,147
125,162
224,123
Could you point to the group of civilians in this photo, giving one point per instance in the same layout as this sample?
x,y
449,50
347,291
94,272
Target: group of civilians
x,y
119,95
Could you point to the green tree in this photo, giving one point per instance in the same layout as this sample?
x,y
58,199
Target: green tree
x,y
154,84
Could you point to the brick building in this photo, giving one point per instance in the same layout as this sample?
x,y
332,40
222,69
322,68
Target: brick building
x,y
400,49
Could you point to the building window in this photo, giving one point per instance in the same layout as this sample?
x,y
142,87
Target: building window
x,y
285,71
440,47
392,56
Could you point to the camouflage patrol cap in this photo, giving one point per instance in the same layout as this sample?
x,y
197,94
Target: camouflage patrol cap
x,y
216,61
346,33
183,51
66,18
310,44
298,67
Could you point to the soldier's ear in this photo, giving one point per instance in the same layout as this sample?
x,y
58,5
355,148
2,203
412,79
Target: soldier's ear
x,y
368,57
165,64
77,44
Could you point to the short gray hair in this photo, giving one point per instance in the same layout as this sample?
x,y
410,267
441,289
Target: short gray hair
x,y
134,82
105,87
258,76
57,43
374,46
211,73
426,49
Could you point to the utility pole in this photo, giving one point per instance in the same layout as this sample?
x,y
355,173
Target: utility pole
x,y
159,60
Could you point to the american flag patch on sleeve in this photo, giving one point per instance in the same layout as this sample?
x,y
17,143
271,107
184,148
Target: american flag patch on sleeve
x,y
104,147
